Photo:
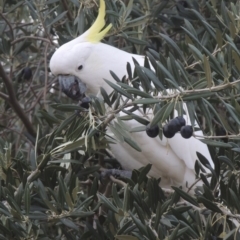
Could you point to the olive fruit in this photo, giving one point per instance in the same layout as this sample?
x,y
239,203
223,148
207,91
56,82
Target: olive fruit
x,y
186,131
220,131
168,131
174,125
182,121
152,131
85,102
26,73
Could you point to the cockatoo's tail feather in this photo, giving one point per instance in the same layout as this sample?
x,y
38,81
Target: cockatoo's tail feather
x,y
94,33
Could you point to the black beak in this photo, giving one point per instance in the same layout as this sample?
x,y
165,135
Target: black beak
x,y
72,86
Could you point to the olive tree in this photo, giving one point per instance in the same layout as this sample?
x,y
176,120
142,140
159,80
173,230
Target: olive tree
x,y
52,153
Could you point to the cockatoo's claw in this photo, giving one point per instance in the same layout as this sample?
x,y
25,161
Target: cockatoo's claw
x,y
116,173
72,86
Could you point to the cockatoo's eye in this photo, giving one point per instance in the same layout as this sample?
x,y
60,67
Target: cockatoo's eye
x,y
80,67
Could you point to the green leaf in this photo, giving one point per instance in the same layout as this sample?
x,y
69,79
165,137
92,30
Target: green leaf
x,y
208,204
185,196
146,101
69,223
81,214
197,54
215,143
136,117
203,160
105,97
207,26
231,110
67,107
125,237
116,197
174,46
227,161
118,89
143,78
151,75
45,160
195,96
107,203
58,18
168,111
235,199
232,44
88,170
27,199
207,71
162,113
47,116
132,144
139,224
174,233
15,6
168,75
139,93
144,173
69,146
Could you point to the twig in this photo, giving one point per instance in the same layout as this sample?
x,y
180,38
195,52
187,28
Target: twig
x,y
40,15
213,54
16,131
117,181
11,30
224,211
8,23
211,89
4,96
112,116
219,137
46,75
108,188
197,180
29,37
15,104
38,98
65,6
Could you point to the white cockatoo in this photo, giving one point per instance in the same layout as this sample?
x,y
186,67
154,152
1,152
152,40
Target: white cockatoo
x,y
90,61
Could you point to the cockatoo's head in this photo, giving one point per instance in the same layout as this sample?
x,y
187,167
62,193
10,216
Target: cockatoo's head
x,y
71,61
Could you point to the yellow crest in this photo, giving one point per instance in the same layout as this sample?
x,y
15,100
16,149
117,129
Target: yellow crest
x,y
94,33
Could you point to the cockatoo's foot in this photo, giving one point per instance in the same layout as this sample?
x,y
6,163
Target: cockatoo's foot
x,y
116,173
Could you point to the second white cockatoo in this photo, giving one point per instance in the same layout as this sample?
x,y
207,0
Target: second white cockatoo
x,y
86,60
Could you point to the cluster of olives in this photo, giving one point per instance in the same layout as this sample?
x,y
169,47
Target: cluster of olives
x,y
170,129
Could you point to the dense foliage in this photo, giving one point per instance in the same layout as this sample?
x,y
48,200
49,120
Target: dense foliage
x,y
52,151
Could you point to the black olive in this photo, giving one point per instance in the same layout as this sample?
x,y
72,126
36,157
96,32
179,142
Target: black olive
x,y
220,131
168,131
85,102
186,131
182,121
152,131
174,125
26,73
